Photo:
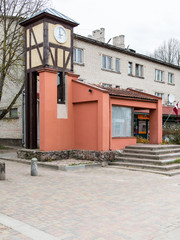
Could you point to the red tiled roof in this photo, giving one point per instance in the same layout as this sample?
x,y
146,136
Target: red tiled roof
x,y
128,93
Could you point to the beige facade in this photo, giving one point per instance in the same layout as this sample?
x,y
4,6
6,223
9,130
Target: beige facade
x,y
91,69
11,125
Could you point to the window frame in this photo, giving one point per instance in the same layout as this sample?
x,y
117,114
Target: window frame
x,y
161,95
79,59
172,78
159,75
117,65
105,62
139,70
130,68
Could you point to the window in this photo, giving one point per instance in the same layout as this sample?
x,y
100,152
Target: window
x,y
130,68
159,75
78,55
13,113
121,121
106,85
117,65
60,88
160,95
170,78
106,62
139,70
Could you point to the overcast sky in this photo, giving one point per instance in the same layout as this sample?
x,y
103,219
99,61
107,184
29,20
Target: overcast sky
x,y
145,24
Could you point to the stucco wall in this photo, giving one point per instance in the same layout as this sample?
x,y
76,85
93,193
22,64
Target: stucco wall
x,y
86,126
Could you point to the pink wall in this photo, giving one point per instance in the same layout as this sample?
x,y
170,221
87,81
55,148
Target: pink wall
x,y
55,134
86,125
89,123
155,124
81,95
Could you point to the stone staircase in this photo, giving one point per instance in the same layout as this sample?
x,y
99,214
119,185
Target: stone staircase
x,y
149,158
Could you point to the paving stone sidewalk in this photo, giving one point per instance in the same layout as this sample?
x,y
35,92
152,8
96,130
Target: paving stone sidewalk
x,y
98,204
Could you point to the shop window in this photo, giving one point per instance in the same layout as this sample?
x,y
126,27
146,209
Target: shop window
x,y
121,121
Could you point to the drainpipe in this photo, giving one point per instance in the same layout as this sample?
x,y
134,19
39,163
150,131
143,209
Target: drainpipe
x,y
23,117
110,117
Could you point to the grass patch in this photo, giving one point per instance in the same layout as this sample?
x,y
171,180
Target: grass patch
x,y
76,164
177,160
3,147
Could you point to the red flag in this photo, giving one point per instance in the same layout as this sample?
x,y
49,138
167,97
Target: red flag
x,y
176,110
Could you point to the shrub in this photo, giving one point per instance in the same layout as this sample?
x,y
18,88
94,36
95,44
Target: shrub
x,y
142,140
172,133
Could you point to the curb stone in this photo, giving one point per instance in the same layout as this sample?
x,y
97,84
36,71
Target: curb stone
x,y
56,167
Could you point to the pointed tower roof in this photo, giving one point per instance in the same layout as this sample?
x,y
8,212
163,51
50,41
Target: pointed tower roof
x,y
50,13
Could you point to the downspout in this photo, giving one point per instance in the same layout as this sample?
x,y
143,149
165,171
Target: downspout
x,y
23,120
110,117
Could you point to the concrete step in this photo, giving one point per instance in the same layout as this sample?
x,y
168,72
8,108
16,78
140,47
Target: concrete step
x,y
145,161
166,173
151,156
153,152
146,166
153,146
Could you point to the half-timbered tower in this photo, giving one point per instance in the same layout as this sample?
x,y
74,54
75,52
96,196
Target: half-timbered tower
x,y
48,44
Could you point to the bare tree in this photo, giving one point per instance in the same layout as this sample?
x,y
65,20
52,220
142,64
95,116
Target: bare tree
x,y
169,52
12,43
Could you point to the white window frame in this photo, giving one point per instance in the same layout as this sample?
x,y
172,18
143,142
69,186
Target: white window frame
x,y
117,65
157,94
106,85
106,62
130,68
139,70
170,78
78,55
159,74
161,95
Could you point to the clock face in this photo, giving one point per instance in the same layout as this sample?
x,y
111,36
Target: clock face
x,y
60,34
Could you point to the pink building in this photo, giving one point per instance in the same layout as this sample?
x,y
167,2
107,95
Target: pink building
x,y
99,119
74,115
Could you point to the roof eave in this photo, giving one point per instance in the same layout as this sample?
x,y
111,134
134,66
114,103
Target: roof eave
x,y
42,15
125,51
134,98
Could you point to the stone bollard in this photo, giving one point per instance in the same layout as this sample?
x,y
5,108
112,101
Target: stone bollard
x,y
2,171
104,164
34,167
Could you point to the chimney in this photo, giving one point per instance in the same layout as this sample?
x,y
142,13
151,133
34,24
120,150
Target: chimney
x,y
99,34
118,41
